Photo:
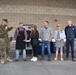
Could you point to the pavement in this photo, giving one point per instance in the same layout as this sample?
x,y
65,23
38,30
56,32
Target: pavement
x,y
39,67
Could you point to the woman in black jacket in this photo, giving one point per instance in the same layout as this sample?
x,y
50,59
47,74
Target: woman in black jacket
x,y
34,35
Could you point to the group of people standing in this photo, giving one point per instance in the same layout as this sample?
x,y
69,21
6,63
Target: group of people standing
x,y
20,36
46,36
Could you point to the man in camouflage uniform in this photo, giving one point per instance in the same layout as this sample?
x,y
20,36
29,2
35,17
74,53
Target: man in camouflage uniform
x,y
4,40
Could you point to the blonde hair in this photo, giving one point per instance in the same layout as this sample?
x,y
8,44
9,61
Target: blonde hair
x,y
59,25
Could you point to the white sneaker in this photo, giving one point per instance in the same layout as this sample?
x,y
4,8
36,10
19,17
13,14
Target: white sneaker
x,y
32,59
35,59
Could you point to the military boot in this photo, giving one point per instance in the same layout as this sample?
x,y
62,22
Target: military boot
x,y
2,61
8,59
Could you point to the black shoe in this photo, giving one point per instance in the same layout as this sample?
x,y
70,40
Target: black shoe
x,y
41,58
66,59
24,60
73,59
16,60
49,59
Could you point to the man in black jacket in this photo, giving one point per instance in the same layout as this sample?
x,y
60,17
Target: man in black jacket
x,y
70,32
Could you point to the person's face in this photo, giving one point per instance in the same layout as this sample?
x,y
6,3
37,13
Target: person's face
x,y
20,25
58,28
45,24
69,23
32,29
4,23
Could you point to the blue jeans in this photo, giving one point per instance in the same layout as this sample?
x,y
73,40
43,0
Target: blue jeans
x,y
68,44
23,54
46,43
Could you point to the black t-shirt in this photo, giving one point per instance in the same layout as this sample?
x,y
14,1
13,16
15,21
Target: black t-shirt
x,y
70,32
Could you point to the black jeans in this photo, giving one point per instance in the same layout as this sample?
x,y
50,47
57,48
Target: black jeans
x,y
69,42
35,50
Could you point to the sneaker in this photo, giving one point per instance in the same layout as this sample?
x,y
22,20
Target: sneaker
x,y
2,61
9,60
35,59
32,59
55,58
61,59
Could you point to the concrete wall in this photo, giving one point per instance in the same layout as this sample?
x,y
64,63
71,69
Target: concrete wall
x,y
37,11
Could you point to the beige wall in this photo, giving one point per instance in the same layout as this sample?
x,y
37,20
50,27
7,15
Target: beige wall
x,y
37,11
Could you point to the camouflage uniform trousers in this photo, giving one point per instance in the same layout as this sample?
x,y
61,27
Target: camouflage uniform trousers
x,y
8,48
2,47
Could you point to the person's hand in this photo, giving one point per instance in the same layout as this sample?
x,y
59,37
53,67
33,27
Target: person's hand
x,y
58,39
40,37
49,40
18,34
29,29
6,27
14,27
24,40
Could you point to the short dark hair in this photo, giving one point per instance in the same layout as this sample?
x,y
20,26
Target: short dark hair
x,y
34,26
20,23
47,22
5,20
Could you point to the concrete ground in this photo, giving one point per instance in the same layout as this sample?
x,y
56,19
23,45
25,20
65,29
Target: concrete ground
x,y
39,67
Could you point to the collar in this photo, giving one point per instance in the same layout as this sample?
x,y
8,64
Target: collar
x,y
46,28
70,26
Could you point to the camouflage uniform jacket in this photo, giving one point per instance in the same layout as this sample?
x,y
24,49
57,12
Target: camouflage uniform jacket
x,y
4,33
3,38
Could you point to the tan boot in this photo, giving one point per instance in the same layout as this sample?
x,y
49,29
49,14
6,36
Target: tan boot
x,y
2,61
55,58
61,59
8,59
